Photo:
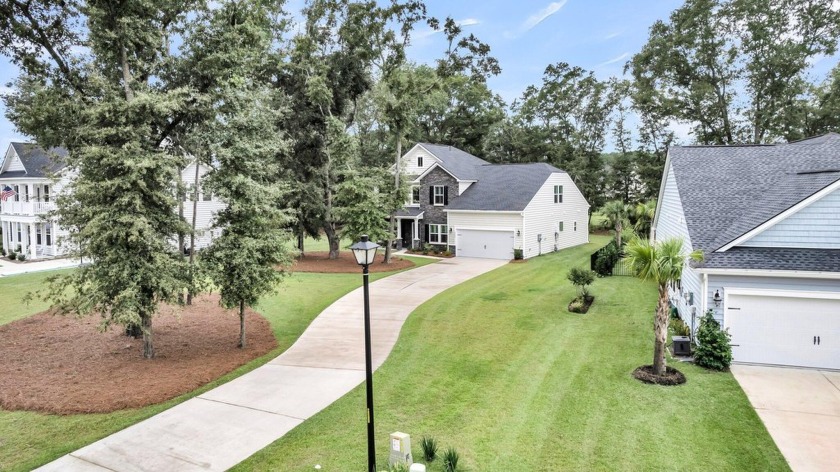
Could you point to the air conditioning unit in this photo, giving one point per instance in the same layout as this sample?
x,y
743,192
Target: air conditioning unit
x,y
682,345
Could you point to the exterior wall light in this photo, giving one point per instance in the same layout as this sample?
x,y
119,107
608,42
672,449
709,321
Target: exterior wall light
x,y
717,298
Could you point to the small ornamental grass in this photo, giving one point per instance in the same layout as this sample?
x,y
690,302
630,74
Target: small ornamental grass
x,y
430,447
450,460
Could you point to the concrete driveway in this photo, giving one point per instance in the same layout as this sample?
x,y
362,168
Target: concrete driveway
x,y
224,426
801,410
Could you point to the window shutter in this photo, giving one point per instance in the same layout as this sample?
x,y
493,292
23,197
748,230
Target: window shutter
x,y
426,233
431,196
446,195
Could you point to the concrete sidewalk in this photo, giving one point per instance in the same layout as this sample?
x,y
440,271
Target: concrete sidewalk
x,y
226,425
15,268
801,410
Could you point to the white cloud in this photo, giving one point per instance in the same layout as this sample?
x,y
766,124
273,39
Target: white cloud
x,y
536,19
614,60
612,35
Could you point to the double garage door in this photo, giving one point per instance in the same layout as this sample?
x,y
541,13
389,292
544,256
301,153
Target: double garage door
x,y
485,244
784,330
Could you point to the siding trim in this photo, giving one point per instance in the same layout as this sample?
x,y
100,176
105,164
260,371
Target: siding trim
x,y
781,216
485,211
778,293
771,273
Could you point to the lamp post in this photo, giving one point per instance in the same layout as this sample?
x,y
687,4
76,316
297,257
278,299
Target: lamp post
x,y
365,252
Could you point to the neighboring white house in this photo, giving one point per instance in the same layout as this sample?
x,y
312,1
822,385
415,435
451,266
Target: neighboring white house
x,y
767,218
477,209
32,178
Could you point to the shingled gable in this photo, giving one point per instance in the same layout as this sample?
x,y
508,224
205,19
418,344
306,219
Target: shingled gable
x,y
36,161
727,191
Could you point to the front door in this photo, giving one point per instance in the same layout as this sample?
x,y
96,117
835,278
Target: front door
x,y
406,228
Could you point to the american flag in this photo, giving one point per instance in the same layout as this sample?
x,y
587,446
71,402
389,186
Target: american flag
x,y
6,193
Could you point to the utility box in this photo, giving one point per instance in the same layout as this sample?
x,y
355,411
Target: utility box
x,y
682,345
400,448
417,468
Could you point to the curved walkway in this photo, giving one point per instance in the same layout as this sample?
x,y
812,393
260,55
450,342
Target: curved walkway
x,y
226,425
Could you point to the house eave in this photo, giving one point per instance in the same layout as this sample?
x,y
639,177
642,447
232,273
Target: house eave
x,y
801,274
456,210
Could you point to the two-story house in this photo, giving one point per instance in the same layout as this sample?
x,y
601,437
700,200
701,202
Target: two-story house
x,y
32,177
767,218
474,208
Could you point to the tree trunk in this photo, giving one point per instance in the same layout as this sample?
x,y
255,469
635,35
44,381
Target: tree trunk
x,y
618,228
332,239
242,324
393,222
148,345
660,332
192,236
180,239
300,241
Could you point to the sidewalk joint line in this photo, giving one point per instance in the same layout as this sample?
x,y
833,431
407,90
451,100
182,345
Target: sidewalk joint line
x,y
251,408
90,462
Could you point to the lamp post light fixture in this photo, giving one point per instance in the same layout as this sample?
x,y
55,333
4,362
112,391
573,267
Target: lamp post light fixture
x,y
365,252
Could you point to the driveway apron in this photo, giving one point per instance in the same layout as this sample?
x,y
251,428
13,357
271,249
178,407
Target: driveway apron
x,y
226,425
801,410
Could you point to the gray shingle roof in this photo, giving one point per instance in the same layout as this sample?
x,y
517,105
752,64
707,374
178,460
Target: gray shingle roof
x,y
726,191
37,161
459,163
411,212
503,187
815,260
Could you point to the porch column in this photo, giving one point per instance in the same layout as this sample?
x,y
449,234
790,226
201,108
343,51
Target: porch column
x,y
6,235
416,236
33,248
399,228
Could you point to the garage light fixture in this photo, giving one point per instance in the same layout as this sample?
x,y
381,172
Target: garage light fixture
x,y
717,298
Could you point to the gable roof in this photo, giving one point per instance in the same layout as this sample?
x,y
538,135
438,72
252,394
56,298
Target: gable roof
x,y
461,164
37,161
503,187
726,191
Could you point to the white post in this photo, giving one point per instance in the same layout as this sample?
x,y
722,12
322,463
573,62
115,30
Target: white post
x,y
6,235
416,236
33,248
399,228
30,192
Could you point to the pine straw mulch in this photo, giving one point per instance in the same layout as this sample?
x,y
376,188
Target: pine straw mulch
x,y
672,376
64,365
346,263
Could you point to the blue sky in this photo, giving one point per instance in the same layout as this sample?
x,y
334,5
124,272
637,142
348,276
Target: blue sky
x,y
525,36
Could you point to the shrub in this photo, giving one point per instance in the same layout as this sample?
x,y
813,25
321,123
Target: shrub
x,y
679,327
518,254
429,446
21,257
714,350
607,258
2,252
427,248
450,460
12,256
581,278
447,253
576,306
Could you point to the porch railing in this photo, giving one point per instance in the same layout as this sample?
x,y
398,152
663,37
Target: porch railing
x,y
25,208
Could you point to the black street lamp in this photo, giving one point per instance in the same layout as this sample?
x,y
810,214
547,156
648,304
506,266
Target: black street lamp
x,y
365,252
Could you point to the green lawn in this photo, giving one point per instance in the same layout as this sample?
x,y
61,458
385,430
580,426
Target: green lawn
x,y
28,440
499,369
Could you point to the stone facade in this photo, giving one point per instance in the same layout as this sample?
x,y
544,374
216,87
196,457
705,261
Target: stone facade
x,y
434,214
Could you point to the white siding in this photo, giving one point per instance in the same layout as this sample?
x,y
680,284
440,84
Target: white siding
x,y
815,226
671,224
463,186
543,216
486,220
12,162
206,211
408,163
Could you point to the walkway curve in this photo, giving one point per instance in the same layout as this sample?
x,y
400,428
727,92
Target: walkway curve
x,y
226,425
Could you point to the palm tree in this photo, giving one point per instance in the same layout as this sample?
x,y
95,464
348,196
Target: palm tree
x,y
615,212
663,262
644,213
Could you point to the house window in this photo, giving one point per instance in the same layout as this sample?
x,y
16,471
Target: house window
x,y
48,230
558,194
206,195
38,234
560,227
18,232
438,234
439,192
419,161
415,195
189,192
46,193
17,195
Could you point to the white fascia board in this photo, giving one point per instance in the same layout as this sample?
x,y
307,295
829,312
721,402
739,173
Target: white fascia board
x,y
766,292
484,211
801,274
662,189
781,216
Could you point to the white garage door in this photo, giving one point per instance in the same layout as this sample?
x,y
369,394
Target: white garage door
x,y
784,330
485,244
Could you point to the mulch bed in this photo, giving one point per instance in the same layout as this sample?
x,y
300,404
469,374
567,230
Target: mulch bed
x,y
587,302
346,263
59,364
672,376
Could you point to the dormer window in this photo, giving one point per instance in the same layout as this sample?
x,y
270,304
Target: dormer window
x,y
419,161
558,194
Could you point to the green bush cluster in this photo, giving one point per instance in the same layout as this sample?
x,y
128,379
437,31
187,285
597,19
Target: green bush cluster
x,y
679,328
430,447
518,254
607,258
714,350
450,460
12,255
581,278
21,257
